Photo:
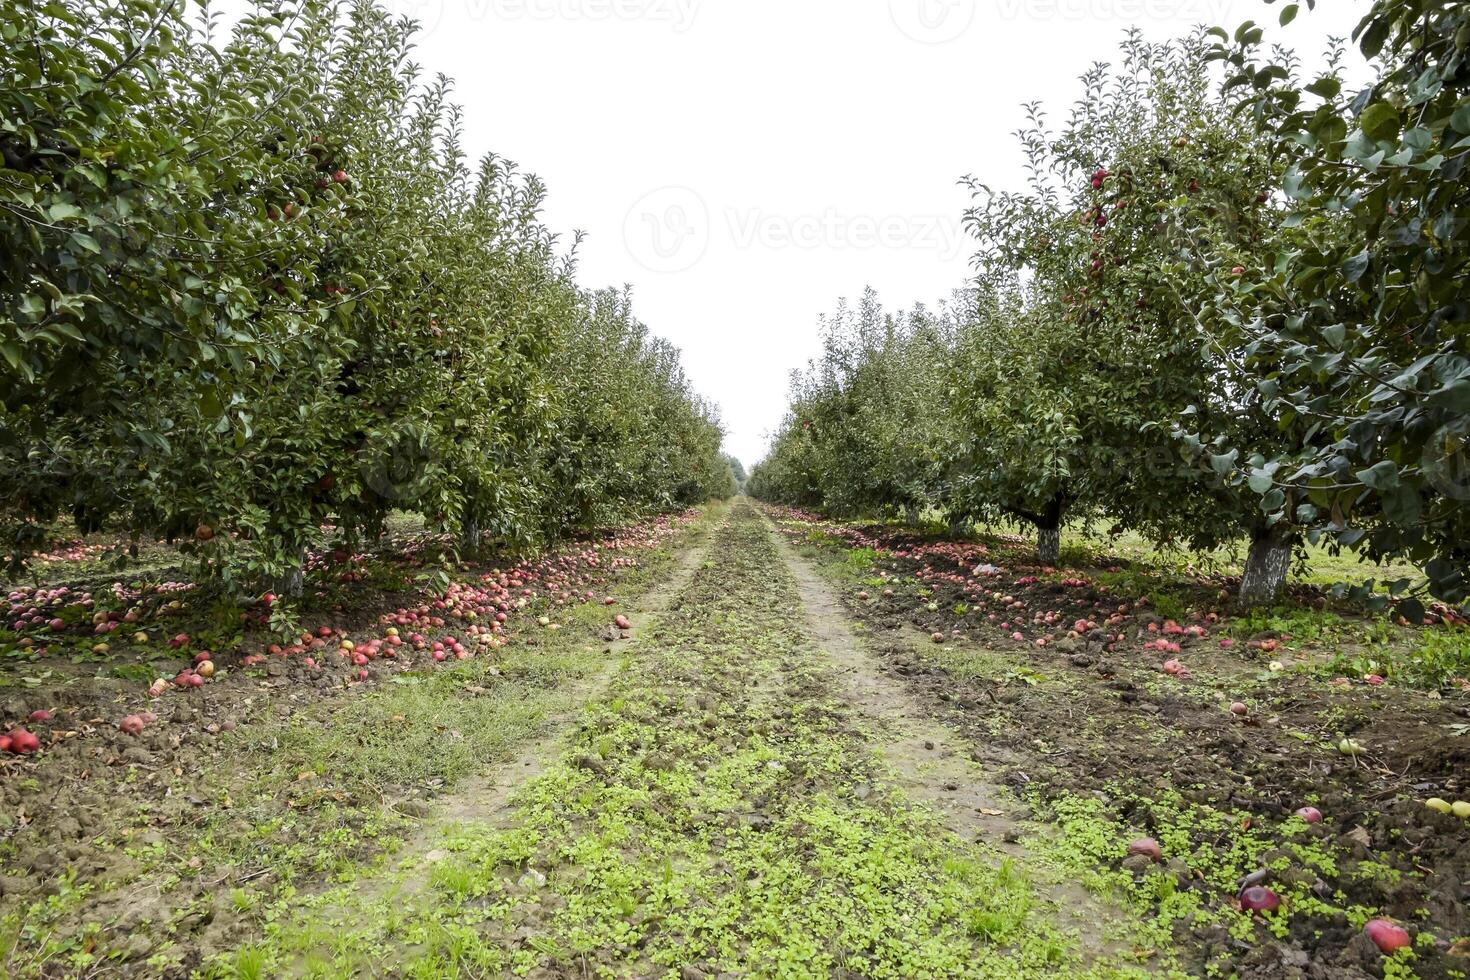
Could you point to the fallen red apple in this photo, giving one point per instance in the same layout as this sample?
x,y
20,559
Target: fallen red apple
x,y
622,623
40,714
1148,847
23,742
1387,936
1259,898
1239,709
1310,814
132,725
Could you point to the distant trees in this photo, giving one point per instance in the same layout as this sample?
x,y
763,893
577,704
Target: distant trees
x,y
867,431
737,470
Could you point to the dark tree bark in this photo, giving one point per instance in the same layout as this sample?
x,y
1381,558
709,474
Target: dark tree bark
x,y
1049,545
470,536
1267,564
1048,528
292,582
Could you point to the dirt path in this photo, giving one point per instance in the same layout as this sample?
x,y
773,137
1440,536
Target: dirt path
x,y
730,805
929,760
483,800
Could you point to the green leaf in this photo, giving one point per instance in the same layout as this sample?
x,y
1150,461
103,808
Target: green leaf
x,y
1453,397
1327,87
1403,505
1288,13
1354,267
1380,122
1460,121
1380,476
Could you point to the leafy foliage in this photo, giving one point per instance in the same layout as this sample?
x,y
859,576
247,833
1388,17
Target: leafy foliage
x,y
252,286
1229,305
1356,324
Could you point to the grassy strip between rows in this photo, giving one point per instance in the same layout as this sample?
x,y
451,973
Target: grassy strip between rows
x,y
323,792
716,812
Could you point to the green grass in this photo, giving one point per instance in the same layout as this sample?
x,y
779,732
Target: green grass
x,y
313,796
706,813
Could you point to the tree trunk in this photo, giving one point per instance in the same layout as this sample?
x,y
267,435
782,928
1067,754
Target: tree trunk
x,y
469,536
1267,565
958,526
292,583
1049,545
911,516
1049,531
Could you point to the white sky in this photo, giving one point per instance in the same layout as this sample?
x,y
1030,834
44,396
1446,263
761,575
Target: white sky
x,y
744,163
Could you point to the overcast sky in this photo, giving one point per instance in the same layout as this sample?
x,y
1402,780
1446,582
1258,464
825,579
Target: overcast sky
x,y
744,163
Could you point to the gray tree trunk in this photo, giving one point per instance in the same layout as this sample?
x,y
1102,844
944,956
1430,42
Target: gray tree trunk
x,y
1267,565
911,516
1049,545
292,583
957,526
470,536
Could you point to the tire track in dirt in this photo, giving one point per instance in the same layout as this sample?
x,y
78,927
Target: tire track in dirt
x,y
486,799
928,758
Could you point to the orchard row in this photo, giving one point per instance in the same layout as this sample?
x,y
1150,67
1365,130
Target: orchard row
x,y
1231,306
252,285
